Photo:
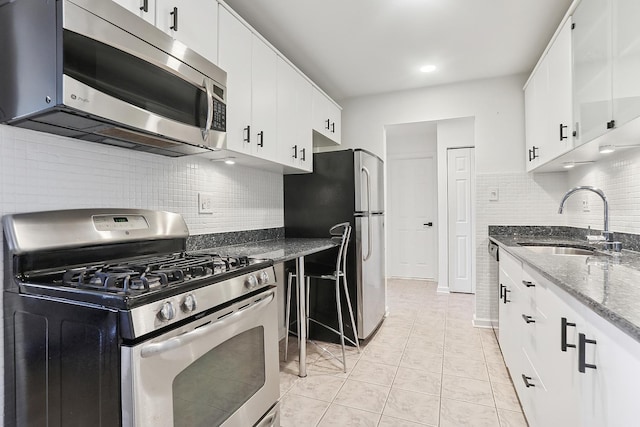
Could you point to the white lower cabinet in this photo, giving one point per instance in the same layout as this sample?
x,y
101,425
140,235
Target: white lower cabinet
x,y
570,367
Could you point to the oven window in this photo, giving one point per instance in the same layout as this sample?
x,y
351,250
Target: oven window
x,y
213,387
133,80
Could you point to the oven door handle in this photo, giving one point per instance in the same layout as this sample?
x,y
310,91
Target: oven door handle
x,y
157,348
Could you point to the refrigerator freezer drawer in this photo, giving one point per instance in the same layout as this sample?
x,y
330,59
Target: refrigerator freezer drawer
x,y
370,273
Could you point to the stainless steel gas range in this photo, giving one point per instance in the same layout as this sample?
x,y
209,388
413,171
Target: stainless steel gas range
x,y
109,321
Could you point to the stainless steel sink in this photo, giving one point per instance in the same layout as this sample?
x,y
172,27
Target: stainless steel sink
x,y
558,250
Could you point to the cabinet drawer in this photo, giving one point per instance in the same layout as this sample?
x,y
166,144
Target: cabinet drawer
x,y
511,266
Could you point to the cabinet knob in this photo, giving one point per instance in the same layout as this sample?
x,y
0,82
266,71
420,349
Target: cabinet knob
x,y
611,124
145,6
295,152
528,284
248,137
304,154
261,138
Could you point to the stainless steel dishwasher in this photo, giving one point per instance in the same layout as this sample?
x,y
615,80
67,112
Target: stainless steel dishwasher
x,y
494,279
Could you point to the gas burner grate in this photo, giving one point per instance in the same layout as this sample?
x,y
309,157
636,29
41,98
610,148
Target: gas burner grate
x,y
149,273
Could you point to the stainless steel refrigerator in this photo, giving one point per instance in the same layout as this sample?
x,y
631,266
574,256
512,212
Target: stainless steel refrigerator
x,y
345,186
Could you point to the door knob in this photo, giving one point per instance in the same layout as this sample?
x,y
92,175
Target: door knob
x,y
428,224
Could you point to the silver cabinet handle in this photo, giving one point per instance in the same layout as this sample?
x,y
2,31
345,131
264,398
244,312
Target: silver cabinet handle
x,y
207,126
155,349
368,175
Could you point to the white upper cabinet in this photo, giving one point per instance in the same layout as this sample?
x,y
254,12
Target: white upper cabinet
x,y
194,23
251,83
145,9
606,43
626,60
235,58
295,141
592,69
263,99
548,104
327,118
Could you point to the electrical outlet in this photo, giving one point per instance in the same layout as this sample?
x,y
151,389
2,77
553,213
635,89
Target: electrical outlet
x,y
585,205
205,202
493,194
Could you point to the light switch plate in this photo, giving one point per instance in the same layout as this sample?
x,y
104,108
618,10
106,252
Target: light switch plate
x,y
205,202
493,194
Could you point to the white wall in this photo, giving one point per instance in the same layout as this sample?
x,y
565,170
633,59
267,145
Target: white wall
x,y
497,106
496,109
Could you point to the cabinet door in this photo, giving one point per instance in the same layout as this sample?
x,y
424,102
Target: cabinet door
x,y
535,96
235,59
263,99
146,9
294,118
608,391
592,68
194,23
626,61
335,117
320,111
560,94
510,310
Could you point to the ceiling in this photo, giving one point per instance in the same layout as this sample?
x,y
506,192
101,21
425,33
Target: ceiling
x,y
359,47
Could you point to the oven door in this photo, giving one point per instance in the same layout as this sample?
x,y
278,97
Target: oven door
x,y
219,370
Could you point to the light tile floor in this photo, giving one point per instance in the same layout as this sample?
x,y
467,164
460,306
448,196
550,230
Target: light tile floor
x,y
426,366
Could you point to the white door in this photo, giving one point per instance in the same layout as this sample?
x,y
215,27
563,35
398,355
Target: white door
x,y
412,208
460,184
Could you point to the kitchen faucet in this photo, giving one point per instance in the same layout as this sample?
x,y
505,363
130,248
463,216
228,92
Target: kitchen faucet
x,y
606,234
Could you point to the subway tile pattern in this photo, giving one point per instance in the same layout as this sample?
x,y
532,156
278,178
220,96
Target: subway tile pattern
x,y
523,199
439,370
46,172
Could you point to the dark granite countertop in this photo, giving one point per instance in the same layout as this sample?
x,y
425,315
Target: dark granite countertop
x,y
607,284
278,250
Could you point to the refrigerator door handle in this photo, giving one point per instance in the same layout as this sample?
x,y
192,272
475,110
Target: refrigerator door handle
x,y
368,175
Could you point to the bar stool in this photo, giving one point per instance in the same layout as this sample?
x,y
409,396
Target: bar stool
x,y
340,233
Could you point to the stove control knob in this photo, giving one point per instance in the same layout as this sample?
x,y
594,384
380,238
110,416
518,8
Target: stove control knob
x,y
188,303
167,312
263,279
251,281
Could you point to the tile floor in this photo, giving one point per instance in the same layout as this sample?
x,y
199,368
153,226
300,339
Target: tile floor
x,y
426,366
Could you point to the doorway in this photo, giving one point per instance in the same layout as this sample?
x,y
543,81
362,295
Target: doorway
x,y
412,201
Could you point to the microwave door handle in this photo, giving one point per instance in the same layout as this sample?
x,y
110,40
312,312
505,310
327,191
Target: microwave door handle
x,y
154,349
205,131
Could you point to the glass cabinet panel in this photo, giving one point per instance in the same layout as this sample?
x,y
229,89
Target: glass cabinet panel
x,y
592,45
626,60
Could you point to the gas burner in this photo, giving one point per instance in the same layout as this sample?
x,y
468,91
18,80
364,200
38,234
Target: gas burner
x,y
149,273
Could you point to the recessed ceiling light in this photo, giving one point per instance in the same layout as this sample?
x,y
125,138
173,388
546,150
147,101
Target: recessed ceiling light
x,y
428,68
230,162
568,165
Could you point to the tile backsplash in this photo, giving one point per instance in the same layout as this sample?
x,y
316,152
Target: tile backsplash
x,y
47,172
523,199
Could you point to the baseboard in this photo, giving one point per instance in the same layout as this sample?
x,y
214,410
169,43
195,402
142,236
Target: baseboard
x,y
443,290
482,323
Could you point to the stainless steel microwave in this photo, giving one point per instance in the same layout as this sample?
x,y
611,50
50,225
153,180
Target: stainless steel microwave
x,y
90,69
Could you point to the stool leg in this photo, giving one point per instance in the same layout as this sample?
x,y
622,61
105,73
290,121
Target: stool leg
x,y
340,326
308,286
353,322
288,317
